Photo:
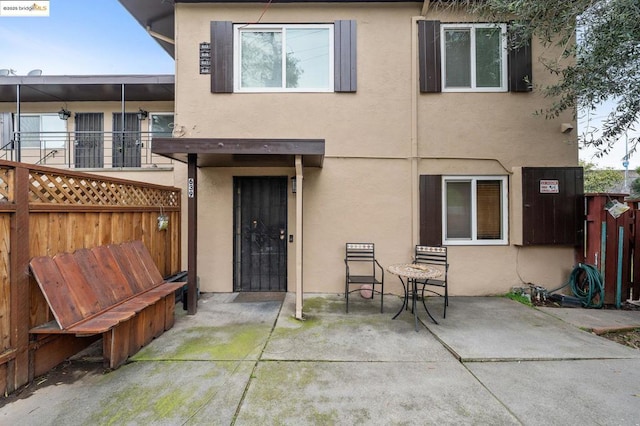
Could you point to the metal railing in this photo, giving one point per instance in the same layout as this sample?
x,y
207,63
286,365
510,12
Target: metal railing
x,y
85,150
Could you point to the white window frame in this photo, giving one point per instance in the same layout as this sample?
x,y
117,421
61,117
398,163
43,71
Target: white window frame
x,y
47,139
150,121
474,226
237,56
472,27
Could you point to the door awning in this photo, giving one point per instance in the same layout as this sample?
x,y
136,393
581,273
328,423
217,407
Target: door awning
x,y
217,152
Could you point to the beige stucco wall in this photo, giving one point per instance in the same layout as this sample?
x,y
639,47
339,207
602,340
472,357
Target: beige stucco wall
x,y
366,190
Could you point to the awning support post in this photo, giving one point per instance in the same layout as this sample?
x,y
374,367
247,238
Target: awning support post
x,y
192,234
299,192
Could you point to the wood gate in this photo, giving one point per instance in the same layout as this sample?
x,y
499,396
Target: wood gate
x,y
613,246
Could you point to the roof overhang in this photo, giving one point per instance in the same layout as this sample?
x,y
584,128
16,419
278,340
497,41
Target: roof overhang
x,y
68,88
242,152
158,16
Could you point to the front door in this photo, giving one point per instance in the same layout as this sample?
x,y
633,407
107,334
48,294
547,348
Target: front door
x,y
260,243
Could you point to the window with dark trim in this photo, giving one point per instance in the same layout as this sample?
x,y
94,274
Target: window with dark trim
x,y
343,58
432,60
463,210
283,58
474,210
475,57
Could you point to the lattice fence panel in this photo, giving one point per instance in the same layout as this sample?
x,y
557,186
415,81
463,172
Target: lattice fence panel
x,y
53,188
6,176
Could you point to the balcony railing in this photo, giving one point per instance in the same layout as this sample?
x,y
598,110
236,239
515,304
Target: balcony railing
x,y
85,150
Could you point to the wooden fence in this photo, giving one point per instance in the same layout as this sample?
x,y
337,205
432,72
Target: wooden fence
x,y
613,245
44,211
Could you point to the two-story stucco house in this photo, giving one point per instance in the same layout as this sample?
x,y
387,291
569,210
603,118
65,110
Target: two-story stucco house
x,y
306,125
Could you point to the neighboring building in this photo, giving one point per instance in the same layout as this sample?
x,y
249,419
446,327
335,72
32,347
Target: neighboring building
x,y
77,122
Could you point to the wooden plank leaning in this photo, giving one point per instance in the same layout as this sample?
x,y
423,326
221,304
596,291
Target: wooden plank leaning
x,y
114,290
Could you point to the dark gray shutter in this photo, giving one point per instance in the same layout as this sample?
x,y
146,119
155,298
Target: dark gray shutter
x,y
431,210
429,56
221,57
520,78
345,56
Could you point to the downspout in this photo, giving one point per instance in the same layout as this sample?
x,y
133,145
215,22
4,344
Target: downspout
x,y
18,144
415,88
299,192
122,128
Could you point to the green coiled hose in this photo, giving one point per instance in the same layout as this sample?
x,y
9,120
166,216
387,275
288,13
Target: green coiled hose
x,y
586,283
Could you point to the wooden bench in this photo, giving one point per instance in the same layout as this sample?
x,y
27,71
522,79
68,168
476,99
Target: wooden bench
x,y
114,290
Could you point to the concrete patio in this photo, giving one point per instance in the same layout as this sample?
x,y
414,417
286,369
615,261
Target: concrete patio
x,y
491,361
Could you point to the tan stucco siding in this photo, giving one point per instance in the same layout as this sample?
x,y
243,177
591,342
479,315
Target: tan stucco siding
x,y
368,123
365,190
355,200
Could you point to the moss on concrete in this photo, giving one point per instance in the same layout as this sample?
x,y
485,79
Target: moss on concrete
x,y
273,385
234,343
211,343
323,304
144,405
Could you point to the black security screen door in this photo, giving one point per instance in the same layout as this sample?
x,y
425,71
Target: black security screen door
x,y
126,141
260,228
89,140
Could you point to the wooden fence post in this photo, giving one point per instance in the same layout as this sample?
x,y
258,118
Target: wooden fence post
x,y
20,281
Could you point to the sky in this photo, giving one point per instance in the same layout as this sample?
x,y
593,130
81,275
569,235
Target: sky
x,y
81,37
614,159
89,37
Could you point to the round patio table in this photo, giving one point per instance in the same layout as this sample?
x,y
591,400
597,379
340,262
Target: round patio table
x,y
413,273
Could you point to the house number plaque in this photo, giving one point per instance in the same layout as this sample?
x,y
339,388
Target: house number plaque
x,y
191,188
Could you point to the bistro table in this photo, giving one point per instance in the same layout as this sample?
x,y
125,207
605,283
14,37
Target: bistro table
x,y
413,273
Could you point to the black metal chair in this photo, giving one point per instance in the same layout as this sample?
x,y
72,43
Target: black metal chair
x,y
363,268
436,257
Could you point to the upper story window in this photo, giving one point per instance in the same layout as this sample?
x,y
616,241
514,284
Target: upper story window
x,y
474,210
283,58
475,57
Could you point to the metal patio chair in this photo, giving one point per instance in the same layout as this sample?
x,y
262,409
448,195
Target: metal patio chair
x,y
436,257
363,268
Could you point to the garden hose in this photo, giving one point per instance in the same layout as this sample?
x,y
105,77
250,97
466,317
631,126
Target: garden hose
x,y
586,283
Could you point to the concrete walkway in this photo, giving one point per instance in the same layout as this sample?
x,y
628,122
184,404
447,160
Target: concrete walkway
x,y
491,361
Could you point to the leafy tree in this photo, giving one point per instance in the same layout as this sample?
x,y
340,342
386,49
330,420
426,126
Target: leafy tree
x,y
603,66
635,185
600,180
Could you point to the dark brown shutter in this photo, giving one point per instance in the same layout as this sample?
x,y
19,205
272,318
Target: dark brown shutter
x,y
429,56
431,210
345,56
520,70
552,218
221,57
